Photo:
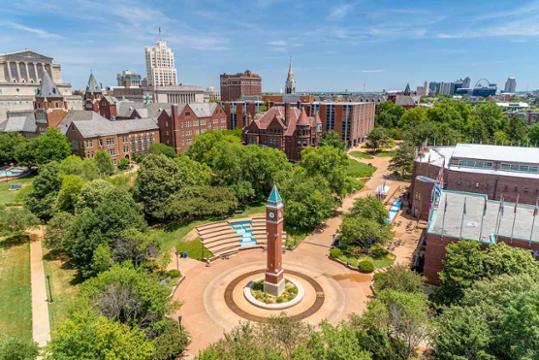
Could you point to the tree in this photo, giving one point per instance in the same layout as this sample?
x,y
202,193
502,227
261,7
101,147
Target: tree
x,y
18,349
516,130
129,296
307,200
199,201
69,193
123,164
377,138
8,143
401,317
399,278
156,182
26,152
74,165
92,194
331,138
52,146
413,118
104,163
45,187
16,221
520,327
402,162
93,227
363,232
533,134
169,339
164,149
465,263
372,208
86,335
56,230
462,333
388,115
201,149
329,163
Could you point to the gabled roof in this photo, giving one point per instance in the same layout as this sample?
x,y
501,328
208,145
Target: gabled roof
x,y
77,115
303,119
103,127
93,86
203,109
47,89
23,123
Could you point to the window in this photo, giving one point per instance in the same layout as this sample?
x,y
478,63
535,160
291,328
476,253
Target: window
x,y
110,141
125,138
88,143
126,149
112,151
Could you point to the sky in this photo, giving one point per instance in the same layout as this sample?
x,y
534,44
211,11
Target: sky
x,y
334,45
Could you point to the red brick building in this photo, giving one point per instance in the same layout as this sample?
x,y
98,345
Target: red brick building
x,y
92,95
234,86
179,127
238,113
498,171
121,139
286,128
353,121
486,221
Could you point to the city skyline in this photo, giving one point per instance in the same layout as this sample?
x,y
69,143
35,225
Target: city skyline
x,y
393,44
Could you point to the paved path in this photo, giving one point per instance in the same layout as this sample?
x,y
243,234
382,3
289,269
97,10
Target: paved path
x,y
40,309
204,312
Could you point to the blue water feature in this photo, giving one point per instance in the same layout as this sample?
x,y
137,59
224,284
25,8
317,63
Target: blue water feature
x,y
395,207
12,172
245,230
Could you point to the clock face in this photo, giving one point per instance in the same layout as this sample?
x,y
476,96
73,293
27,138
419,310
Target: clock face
x,y
271,215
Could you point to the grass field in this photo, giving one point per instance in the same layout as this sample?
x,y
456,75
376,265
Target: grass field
x,y
194,249
14,197
63,285
358,169
361,155
15,290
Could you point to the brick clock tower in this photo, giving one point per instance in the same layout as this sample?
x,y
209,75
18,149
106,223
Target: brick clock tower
x,y
274,280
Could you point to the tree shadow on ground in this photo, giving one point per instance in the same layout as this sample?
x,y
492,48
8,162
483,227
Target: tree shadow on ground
x,y
12,241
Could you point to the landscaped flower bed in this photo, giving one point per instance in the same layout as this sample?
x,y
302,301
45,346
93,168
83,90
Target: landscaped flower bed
x,y
289,293
364,262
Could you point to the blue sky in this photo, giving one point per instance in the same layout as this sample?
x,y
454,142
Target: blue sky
x,y
335,45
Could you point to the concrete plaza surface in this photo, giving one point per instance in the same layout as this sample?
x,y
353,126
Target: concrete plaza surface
x,y
206,315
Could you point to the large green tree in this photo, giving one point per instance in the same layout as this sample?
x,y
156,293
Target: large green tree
x,y
105,167
45,187
69,193
329,163
402,162
388,114
363,232
8,143
52,146
370,207
333,139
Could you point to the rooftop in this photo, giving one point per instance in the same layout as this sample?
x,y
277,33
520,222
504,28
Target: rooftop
x,y
471,225
103,127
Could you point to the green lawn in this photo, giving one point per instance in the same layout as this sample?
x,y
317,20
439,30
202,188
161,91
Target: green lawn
x,y
194,249
385,153
14,197
295,235
15,290
64,287
378,263
361,155
358,169
170,236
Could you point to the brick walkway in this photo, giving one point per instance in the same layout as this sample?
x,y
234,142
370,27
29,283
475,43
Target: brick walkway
x,y
40,309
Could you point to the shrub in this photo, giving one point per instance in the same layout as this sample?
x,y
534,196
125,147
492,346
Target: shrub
x,y
174,273
366,266
335,252
123,164
378,252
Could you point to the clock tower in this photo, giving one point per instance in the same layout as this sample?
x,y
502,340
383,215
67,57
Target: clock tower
x,y
274,279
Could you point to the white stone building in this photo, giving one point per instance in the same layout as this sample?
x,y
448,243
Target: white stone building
x,y
160,66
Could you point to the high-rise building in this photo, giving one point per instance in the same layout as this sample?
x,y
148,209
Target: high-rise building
x,y
466,82
235,86
128,78
290,85
510,85
160,66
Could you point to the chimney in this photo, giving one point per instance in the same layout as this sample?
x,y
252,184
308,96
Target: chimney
x,y
286,111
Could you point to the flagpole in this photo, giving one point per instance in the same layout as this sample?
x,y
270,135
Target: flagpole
x,y
482,220
443,217
535,209
462,219
514,218
531,231
496,226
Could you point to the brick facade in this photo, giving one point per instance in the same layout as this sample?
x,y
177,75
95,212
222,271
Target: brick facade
x,y
234,86
179,129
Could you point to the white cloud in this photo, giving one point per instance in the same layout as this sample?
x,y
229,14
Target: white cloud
x,y
277,43
372,71
34,31
340,11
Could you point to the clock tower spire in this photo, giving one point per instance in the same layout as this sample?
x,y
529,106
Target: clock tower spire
x,y
274,279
